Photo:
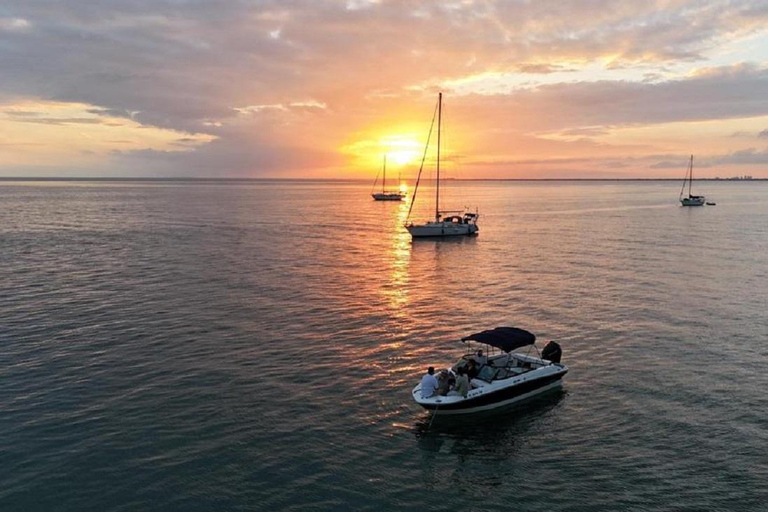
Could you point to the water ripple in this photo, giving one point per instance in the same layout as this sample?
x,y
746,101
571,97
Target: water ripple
x,y
252,345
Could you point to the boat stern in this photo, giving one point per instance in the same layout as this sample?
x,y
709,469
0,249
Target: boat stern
x,y
434,402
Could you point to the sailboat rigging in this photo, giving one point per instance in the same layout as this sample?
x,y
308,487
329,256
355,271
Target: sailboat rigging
x,y
386,195
447,222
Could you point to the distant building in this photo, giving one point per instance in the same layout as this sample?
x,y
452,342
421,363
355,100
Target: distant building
x,y
746,177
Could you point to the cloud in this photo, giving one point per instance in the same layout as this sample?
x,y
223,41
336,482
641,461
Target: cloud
x,y
307,105
232,158
715,95
282,85
62,120
542,68
749,156
743,157
195,61
675,164
14,24
76,133
583,132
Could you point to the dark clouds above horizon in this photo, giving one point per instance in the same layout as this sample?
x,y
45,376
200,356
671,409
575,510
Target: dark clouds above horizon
x,y
269,88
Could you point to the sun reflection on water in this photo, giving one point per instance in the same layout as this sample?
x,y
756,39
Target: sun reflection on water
x,y
396,290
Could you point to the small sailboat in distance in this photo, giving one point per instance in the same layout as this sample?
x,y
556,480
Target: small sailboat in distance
x,y
691,200
447,222
386,195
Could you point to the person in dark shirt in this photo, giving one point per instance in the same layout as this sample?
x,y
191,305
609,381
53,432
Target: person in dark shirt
x,y
472,369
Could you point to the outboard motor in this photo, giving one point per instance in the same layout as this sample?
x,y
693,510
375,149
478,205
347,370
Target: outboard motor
x,y
552,352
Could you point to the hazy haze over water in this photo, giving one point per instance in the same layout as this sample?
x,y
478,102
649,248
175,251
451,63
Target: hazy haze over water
x,y
252,346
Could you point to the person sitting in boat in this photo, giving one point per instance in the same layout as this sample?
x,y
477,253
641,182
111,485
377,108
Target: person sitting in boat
x,y
445,380
480,359
462,384
472,369
428,383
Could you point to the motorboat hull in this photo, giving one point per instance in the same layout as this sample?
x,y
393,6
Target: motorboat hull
x,y
496,395
441,229
388,196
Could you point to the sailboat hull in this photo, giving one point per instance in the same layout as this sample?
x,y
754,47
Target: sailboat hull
x,y
441,229
388,196
693,201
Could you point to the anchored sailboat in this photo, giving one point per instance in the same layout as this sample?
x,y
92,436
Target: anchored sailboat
x,y
447,222
386,195
691,200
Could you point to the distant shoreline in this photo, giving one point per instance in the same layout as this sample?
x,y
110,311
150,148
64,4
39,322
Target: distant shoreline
x,y
339,180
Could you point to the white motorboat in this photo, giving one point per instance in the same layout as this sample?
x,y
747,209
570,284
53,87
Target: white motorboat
x,y
500,379
386,195
447,222
691,200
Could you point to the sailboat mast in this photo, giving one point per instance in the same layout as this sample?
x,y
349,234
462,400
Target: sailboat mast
x,y
439,122
690,181
384,178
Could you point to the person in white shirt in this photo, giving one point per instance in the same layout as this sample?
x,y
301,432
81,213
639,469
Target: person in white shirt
x,y
428,383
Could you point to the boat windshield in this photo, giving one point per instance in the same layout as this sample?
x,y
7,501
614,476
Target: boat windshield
x,y
497,367
487,373
490,373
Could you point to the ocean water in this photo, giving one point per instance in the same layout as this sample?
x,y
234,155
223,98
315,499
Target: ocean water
x,y
170,345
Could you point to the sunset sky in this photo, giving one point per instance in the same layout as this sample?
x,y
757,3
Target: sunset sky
x,y
533,89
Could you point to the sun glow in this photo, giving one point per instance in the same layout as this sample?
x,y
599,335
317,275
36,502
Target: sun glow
x,y
401,157
401,150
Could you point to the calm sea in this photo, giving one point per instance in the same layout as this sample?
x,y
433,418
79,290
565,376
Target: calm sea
x,y
252,346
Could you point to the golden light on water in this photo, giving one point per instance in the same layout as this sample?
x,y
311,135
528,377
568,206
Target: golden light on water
x,y
400,251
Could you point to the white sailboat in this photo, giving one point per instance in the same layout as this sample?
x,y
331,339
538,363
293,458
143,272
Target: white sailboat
x,y
386,195
447,222
691,200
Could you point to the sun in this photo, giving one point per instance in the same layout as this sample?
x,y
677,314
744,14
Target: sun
x,y
401,157
400,149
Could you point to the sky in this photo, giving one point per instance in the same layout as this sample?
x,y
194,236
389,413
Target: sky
x,y
323,89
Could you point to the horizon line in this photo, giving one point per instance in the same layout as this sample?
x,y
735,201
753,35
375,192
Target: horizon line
x,y
198,178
